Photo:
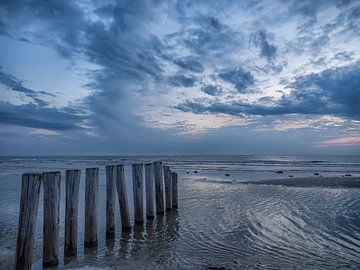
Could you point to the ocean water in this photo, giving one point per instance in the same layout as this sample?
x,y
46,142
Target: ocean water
x,y
220,223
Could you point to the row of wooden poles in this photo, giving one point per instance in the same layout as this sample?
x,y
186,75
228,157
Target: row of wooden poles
x,y
157,177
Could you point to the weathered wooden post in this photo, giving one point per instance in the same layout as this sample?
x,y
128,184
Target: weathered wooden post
x,y
91,201
122,197
110,199
29,202
138,190
159,187
51,218
149,180
174,179
168,188
71,211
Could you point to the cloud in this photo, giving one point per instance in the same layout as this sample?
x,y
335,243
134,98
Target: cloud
x,y
143,50
333,92
190,64
267,50
44,132
344,56
239,77
208,36
212,90
182,80
14,84
343,141
35,116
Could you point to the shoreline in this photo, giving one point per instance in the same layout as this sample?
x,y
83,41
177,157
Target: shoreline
x,y
326,182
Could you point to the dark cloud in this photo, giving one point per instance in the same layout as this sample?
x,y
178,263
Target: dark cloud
x,y
36,116
14,84
190,64
182,80
212,90
239,77
333,91
62,23
210,37
267,50
338,89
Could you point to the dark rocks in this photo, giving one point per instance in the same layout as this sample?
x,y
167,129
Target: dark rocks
x,y
347,175
195,171
291,175
227,174
316,174
279,172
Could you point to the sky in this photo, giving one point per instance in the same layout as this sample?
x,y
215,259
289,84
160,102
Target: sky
x,y
179,77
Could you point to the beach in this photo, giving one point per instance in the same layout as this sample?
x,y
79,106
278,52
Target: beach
x,y
234,212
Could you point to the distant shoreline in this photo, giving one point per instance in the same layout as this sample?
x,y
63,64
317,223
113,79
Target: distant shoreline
x,y
328,182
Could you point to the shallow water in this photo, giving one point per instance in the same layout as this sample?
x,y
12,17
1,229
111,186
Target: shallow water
x,y
217,224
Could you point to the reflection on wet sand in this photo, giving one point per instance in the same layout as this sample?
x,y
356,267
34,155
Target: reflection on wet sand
x,y
124,243
110,243
137,241
172,225
150,230
147,240
90,254
68,259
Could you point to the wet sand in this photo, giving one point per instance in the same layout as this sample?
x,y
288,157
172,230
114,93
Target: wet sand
x,y
244,214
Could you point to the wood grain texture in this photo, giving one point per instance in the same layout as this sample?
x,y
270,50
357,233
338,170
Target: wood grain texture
x,y
168,187
29,202
174,179
150,187
71,211
110,199
91,206
122,197
159,187
51,218
138,190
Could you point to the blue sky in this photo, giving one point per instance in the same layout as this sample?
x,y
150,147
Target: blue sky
x,y
180,77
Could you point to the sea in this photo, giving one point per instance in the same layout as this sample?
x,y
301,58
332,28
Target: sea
x,y
221,223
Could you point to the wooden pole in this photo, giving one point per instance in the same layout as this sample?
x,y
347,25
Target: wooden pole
x,y
51,218
138,190
174,179
159,187
122,196
71,211
110,199
29,202
168,187
149,180
91,200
